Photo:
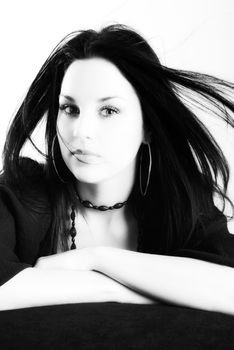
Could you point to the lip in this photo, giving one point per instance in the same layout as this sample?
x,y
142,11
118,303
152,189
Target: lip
x,y
84,152
87,157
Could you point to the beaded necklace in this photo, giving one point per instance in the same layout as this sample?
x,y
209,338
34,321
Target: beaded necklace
x,y
88,204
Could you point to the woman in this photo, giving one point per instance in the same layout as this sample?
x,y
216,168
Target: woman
x,y
122,208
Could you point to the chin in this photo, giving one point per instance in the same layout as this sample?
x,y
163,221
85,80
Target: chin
x,y
92,176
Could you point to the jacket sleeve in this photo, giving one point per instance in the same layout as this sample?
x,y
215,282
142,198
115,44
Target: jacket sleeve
x,y
24,228
211,241
10,263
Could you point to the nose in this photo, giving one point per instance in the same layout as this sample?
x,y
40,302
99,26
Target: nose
x,y
84,126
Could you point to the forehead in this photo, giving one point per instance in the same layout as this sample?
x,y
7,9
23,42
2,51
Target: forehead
x,y
95,77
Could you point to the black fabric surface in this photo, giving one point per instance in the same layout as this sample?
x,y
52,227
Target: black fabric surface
x,y
115,326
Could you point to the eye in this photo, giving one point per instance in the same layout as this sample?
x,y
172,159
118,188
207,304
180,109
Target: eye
x,y
69,109
111,110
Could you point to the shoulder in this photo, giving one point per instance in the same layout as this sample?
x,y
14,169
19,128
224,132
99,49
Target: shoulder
x,y
28,167
30,190
32,170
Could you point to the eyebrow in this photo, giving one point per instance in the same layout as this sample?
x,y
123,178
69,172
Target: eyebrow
x,y
71,99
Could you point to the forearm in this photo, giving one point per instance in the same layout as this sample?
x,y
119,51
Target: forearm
x,y
183,281
35,287
39,287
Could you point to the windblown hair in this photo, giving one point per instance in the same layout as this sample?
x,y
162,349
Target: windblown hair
x,y
186,160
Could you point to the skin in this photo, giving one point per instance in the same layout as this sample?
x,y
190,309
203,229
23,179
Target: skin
x,y
176,280
114,130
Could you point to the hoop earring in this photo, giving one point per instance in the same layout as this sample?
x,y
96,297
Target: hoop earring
x,y
143,192
53,160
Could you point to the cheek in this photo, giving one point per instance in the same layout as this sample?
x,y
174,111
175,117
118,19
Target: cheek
x,y
63,135
123,143
64,128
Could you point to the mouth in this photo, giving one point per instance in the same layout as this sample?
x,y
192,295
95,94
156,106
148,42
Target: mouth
x,y
87,157
81,152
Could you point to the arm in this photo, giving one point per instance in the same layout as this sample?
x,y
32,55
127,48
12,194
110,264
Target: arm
x,y
29,286
39,287
182,281
176,280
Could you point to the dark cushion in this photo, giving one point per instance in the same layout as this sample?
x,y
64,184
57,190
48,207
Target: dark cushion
x,y
115,326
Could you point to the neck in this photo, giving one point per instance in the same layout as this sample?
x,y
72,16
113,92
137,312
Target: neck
x,y
108,192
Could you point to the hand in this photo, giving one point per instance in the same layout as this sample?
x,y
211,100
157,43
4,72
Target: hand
x,y
78,259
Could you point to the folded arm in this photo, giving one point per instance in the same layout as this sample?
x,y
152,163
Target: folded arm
x,y
178,280
171,279
34,287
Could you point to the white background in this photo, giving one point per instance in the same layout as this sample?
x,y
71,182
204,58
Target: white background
x,y
188,34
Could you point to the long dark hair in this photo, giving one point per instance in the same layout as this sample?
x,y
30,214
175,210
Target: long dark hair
x,y
187,161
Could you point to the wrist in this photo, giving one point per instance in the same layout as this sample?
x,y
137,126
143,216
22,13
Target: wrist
x,y
98,257
104,257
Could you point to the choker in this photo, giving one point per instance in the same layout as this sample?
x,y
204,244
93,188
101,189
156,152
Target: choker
x,y
88,204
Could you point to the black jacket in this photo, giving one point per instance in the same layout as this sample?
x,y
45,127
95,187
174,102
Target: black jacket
x,y
25,233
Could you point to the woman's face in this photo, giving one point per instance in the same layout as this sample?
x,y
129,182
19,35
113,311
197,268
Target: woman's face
x,y
99,120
